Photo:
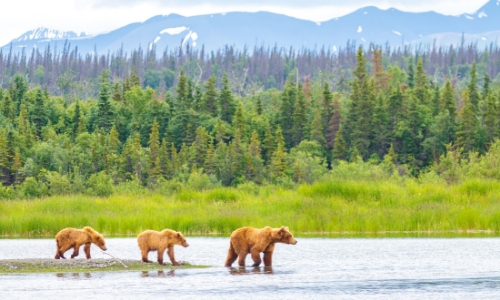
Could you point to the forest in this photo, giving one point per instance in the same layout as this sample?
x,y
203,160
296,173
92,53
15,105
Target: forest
x,y
73,124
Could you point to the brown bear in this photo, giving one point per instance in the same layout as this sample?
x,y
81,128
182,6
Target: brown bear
x,y
253,240
74,238
151,240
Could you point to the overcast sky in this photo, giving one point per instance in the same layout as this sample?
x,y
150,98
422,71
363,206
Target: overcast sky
x,y
96,16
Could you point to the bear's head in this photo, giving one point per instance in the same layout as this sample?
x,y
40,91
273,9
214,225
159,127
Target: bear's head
x,y
99,241
283,235
180,240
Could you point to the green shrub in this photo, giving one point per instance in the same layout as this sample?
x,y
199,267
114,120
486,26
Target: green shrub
x,y
222,195
100,184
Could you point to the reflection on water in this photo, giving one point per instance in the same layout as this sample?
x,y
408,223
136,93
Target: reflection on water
x,y
403,268
161,274
253,270
74,275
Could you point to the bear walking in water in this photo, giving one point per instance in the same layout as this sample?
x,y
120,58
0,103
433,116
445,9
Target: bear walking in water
x,y
151,240
254,241
74,238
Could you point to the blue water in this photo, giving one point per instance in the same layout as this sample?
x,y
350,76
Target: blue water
x,y
315,268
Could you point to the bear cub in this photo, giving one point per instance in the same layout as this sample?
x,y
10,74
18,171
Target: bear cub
x,y
74,238
151,240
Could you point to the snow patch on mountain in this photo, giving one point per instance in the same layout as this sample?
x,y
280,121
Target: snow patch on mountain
x,y
397,32
482,15
360,29
46,33
156,40
469,17
175,30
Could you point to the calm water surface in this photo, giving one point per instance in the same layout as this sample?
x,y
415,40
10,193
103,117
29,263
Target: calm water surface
x,y
315,268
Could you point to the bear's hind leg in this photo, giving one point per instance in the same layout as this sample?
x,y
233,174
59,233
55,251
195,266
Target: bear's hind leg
x,y
145,253
231,256
75,251
241,258
62,250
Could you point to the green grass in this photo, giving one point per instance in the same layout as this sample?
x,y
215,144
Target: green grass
x,y
329,207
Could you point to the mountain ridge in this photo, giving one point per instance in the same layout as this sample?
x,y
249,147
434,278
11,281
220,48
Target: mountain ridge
x,y
242,29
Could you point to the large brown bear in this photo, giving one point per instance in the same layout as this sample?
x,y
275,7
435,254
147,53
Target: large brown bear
x,y
74,238
253,240
151,240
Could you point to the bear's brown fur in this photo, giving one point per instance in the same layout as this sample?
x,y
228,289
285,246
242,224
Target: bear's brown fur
x,y
151,240
74,238
253,240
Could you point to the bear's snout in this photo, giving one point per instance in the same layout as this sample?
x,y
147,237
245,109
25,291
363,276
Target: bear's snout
x,y
104,248
186,245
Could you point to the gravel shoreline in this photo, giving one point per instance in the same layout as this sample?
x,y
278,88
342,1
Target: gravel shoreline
x,y
50,265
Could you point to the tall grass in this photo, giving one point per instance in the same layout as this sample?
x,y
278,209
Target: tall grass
x,y
325,207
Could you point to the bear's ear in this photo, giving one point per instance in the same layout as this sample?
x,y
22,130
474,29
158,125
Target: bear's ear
x,y
284,228
178,234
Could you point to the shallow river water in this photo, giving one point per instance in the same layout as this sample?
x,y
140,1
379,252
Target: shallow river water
x,y
315,268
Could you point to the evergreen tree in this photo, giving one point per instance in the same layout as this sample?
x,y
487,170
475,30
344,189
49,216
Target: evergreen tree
x,y
227,106
411,73
154,153
468,125
448,101
239,121
210,97
8,109
268,144
104,118
486,87
361,107
327,104
182,92
380,130
421,87
333,125
474,96
317,130
39,116
436,100
209,163
200,147
288,97
299,120
24,129
490,119
340,150
278,164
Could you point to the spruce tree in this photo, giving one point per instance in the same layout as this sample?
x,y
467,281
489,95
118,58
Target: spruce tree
x,y
239,120
288,99
104,118
227,106
209,98
340,150
474,96
154,153
468,125
299,120
39,116
490,119
317,130
411,73
333,125
268,144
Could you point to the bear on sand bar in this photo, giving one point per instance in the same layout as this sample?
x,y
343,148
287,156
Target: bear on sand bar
x,y
253,240
74,238
151,240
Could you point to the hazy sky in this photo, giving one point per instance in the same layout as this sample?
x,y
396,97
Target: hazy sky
x,y
96,16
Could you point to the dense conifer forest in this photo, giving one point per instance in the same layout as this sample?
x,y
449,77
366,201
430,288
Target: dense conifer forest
x,y
73,123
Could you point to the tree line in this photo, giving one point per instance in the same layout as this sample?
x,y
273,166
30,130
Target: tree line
x,y
205,132
66,71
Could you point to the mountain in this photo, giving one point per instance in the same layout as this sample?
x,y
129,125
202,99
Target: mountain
x,y
240,29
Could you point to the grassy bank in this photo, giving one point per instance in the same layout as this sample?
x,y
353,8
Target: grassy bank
x,y
326,207
21,266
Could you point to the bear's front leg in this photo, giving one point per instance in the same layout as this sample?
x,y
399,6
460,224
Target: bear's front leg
x,y
86,248
171,255
256,257
75,251
268,255
160,255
